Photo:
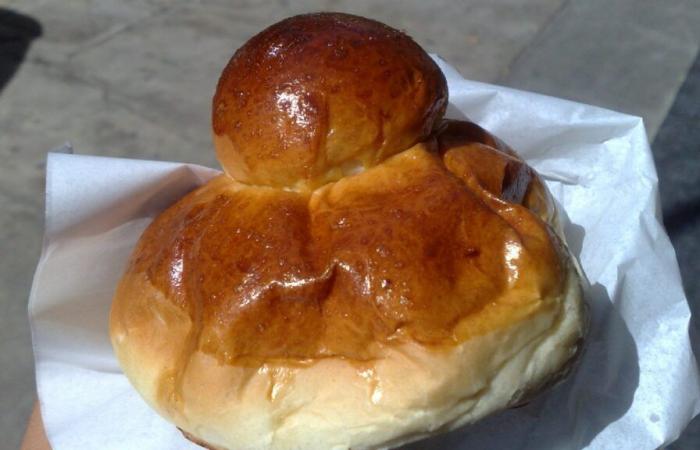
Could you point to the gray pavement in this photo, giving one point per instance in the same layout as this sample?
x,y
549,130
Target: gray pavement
x,y
134,78
629,56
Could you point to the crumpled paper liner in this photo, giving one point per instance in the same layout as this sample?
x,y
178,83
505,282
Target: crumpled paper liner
x,y
635,388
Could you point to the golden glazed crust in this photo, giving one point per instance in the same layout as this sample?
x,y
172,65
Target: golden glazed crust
x,y
240,297
317,96
363,275
410,249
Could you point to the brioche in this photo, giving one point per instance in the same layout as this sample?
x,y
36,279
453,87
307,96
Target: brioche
x,y
363,274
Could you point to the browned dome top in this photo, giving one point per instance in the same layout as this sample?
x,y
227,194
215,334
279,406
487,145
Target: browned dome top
x,y
318,96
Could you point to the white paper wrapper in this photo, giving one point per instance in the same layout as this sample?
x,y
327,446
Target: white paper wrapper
x,y
637,384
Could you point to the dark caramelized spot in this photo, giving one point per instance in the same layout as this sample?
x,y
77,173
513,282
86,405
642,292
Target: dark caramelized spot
x,y
477,156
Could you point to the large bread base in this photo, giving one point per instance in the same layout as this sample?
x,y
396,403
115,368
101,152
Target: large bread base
x,y
407,394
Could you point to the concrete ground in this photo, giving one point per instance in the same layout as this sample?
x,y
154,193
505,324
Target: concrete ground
x,y
134,78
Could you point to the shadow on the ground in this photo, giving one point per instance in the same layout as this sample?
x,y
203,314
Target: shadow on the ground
x,y
17,31
685,216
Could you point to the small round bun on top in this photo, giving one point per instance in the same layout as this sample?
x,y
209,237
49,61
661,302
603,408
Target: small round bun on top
x,y
364,274
319,96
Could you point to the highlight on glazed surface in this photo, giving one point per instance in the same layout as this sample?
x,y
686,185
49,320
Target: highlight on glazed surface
x,y
364,273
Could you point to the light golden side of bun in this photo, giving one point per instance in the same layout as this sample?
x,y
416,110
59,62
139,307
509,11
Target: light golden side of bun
x,y
409,392
317,96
